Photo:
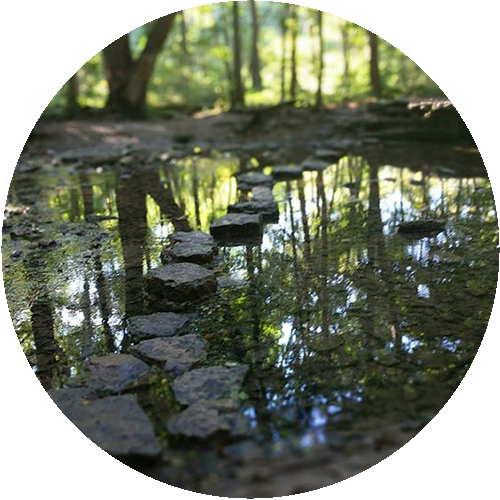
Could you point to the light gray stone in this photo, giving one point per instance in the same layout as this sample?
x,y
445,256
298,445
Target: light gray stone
x,y
205,418
116,373
247,181
181,283
215,382
117,424
188,252
192,237
267,209
237,226
178,354
154,325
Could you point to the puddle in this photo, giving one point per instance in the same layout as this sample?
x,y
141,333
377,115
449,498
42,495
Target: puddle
x,y
346,325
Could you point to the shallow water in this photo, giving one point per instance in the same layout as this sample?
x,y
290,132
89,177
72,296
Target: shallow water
x,y
346,325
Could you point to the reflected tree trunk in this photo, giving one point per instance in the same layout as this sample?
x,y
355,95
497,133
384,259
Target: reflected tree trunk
x,y
132,227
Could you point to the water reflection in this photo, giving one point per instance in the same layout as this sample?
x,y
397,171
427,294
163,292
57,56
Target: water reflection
x,y
343,321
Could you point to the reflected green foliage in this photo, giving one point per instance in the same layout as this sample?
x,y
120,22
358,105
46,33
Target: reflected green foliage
x,y
343,321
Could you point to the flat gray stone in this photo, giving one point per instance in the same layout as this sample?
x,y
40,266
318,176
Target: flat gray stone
x,y
188,252
205,418
117,424
287,172
215,382
154,325
193,237
332,155
262,193
315,165
39,406
267,209
247,181
178,354
181,283
237,225
116,373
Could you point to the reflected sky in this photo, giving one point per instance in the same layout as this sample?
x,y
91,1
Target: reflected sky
x,y
342,321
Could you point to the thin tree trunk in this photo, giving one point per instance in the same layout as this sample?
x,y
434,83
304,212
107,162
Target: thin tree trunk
x,y
72,90
375,80
255,61
284,33
293,62
319,93
13,128
184,42
238,90
346,76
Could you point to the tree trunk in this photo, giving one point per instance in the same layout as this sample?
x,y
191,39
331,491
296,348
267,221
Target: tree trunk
x,y
319,93
184,42
293,63
13,128
238,95
128,79
142,70
284,32
72,90
375,79
118,65
346,76
255,61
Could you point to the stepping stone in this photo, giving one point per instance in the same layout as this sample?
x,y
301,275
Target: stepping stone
x,y
180,284
38,407
268,209
157,325
262,193
188,252
205,418
332,155
237,226
315,165
117,424
247,181
287,173
116,373
422,228
193,237
215,382
178,354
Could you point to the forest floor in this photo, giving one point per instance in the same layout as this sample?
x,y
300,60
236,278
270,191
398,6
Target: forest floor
x,y
455,456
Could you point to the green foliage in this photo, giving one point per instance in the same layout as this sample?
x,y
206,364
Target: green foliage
x,y
194,67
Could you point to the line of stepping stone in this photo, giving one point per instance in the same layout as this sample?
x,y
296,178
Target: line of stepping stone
x,y
115,421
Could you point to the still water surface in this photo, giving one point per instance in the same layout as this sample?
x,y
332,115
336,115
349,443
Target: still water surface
x,y
344,323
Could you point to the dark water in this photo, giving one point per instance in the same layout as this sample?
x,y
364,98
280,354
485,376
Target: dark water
x,y
346,325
